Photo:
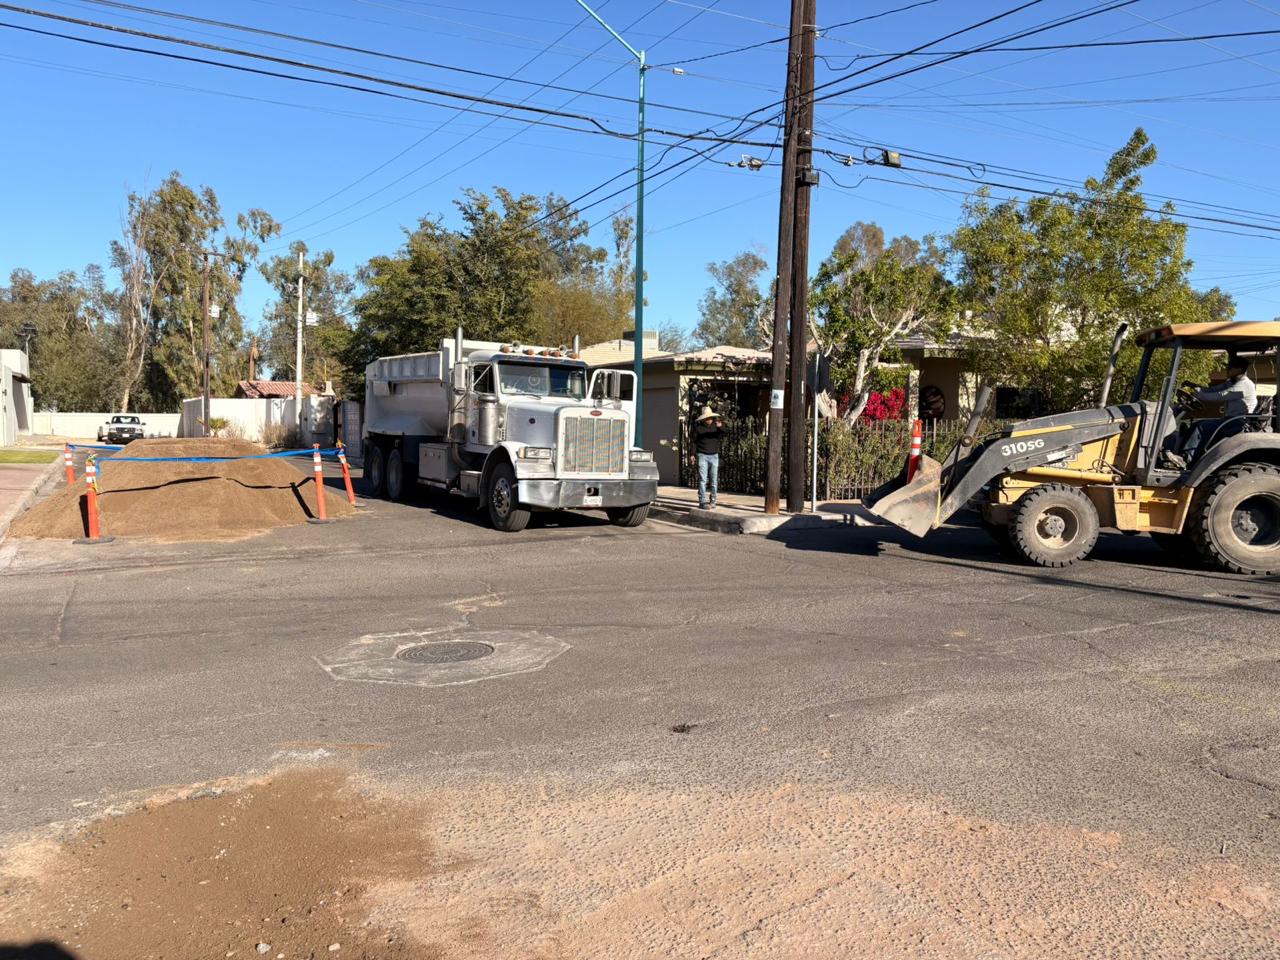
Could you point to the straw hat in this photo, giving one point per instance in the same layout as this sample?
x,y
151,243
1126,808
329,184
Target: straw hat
x,y
707,414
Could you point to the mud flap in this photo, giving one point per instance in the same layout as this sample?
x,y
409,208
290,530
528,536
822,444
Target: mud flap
x,y
912,506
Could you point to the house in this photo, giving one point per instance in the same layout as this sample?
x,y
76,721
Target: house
x,y
270,389
676,385
624,348
15,396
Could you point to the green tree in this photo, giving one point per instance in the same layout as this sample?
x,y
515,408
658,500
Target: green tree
x,y
327,292
867,295
72,349
1050,280
160,258
590,295
734,311
673,338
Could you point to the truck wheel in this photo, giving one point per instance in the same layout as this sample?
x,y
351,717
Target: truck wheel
x,y
501,497
397,489
375,470
1053,525
628,516
1235,519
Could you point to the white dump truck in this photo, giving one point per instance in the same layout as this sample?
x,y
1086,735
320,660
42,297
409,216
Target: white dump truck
x,y
517,428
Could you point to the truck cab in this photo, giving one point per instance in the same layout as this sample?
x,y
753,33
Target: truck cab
x,y
516,428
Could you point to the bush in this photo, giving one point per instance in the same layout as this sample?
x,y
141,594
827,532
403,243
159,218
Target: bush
x,y
280,436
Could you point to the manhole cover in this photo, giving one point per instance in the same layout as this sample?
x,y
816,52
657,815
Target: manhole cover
x,y
450,651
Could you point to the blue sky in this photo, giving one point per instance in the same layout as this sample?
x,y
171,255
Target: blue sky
x,y
346,170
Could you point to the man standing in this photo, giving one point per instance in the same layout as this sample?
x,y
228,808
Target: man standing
x,y
1239,397
708,431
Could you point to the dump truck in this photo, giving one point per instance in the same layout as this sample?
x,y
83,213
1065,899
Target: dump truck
x,y
1046,486
515,428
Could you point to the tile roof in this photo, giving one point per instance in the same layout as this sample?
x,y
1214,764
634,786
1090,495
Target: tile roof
x,y
258,389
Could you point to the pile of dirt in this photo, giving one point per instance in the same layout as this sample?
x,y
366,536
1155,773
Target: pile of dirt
x,y
184,501
275,869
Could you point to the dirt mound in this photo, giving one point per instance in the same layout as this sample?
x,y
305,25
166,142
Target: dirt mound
x,y
284,863
184,501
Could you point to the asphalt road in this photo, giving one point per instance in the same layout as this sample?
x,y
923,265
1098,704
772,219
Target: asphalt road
x,y
1125,694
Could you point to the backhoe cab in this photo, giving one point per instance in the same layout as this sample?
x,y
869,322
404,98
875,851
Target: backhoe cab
x,y
1046,486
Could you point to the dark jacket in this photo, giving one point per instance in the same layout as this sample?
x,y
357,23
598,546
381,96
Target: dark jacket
x,y
707,436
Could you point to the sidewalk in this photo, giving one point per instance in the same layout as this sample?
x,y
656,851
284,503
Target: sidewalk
x,y
742,513
19,485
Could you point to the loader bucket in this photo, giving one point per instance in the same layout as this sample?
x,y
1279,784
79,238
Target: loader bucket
x,y
912,506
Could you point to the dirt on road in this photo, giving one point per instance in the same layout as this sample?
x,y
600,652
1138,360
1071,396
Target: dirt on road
x,y
544,870
176,500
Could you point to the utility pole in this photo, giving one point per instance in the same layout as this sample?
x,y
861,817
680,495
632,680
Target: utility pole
x,y
638,362
786,238
297,357
208,254
806,179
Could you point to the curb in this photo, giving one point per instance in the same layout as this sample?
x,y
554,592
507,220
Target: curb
x,y
29,497
719,521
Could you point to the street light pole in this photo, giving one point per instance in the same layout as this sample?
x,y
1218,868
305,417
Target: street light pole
x,y
297,363
207,348
638,365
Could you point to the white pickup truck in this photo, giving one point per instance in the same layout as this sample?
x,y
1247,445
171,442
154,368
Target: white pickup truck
x,y
122,428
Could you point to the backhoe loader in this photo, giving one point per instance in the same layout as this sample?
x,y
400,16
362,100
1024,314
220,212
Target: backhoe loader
x,y
1046,486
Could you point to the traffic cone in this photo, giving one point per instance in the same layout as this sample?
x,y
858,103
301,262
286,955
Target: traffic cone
x,y
346,475
68,463
318,470
917,449
91,504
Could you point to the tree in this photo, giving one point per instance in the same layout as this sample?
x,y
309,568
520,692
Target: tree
x,y
673,338
734,311
327,292
161,263
1050,280
72,347
589,294
866,296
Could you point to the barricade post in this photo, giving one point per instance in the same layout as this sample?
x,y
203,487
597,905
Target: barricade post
x,y
91,504
917,449
318,470
68,463
346,475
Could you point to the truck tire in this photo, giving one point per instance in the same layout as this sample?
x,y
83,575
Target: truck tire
x,y
397,481
628,516
1235,519
501,499
1053,525
375,470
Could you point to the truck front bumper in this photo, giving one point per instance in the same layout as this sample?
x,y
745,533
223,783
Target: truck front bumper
x,y
566,494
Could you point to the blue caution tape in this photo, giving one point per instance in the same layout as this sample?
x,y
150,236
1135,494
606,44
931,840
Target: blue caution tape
x,y
324,452
95,446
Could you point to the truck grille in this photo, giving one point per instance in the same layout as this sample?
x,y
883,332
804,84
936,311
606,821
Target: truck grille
x,y
594,445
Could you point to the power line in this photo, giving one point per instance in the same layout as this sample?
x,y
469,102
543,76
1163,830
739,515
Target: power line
x,y
505,78
783,39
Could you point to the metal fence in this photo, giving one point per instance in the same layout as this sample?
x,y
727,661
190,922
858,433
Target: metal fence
x,y
853,458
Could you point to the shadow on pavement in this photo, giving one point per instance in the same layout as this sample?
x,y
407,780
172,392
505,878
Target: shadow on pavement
x,y
42,950
964,547
461,509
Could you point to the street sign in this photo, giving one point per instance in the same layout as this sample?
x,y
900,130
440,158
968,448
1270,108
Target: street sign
x,y
215,311
312,319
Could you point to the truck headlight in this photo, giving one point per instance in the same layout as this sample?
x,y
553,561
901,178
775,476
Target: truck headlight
x,y
642,456
534,453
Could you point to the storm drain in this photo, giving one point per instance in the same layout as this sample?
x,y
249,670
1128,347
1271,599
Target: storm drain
x,y
448,651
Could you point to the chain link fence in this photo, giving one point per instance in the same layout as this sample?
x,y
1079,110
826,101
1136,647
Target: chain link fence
x,y
853,458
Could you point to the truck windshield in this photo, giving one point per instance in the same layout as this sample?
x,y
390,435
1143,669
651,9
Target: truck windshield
x,y
543,381
124,419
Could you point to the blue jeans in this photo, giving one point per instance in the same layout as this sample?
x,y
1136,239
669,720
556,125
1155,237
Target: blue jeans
x,y
1219,429
708,476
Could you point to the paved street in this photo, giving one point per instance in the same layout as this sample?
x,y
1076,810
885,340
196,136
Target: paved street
x,y
1125,698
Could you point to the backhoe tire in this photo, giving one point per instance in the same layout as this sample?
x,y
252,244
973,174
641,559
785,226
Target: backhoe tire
x,y
628,516
1235,519
375,470
1053,525
501,499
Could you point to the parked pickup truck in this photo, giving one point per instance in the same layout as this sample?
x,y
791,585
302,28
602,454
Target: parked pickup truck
x,y
122,428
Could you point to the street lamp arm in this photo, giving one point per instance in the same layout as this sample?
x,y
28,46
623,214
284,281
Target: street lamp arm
x,y
638,54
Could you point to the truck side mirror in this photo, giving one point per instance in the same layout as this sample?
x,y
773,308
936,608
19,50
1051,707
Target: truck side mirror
x,y
459,374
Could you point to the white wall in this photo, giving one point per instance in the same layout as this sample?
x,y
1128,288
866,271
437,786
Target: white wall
x,y
84,426
252,416
15,397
